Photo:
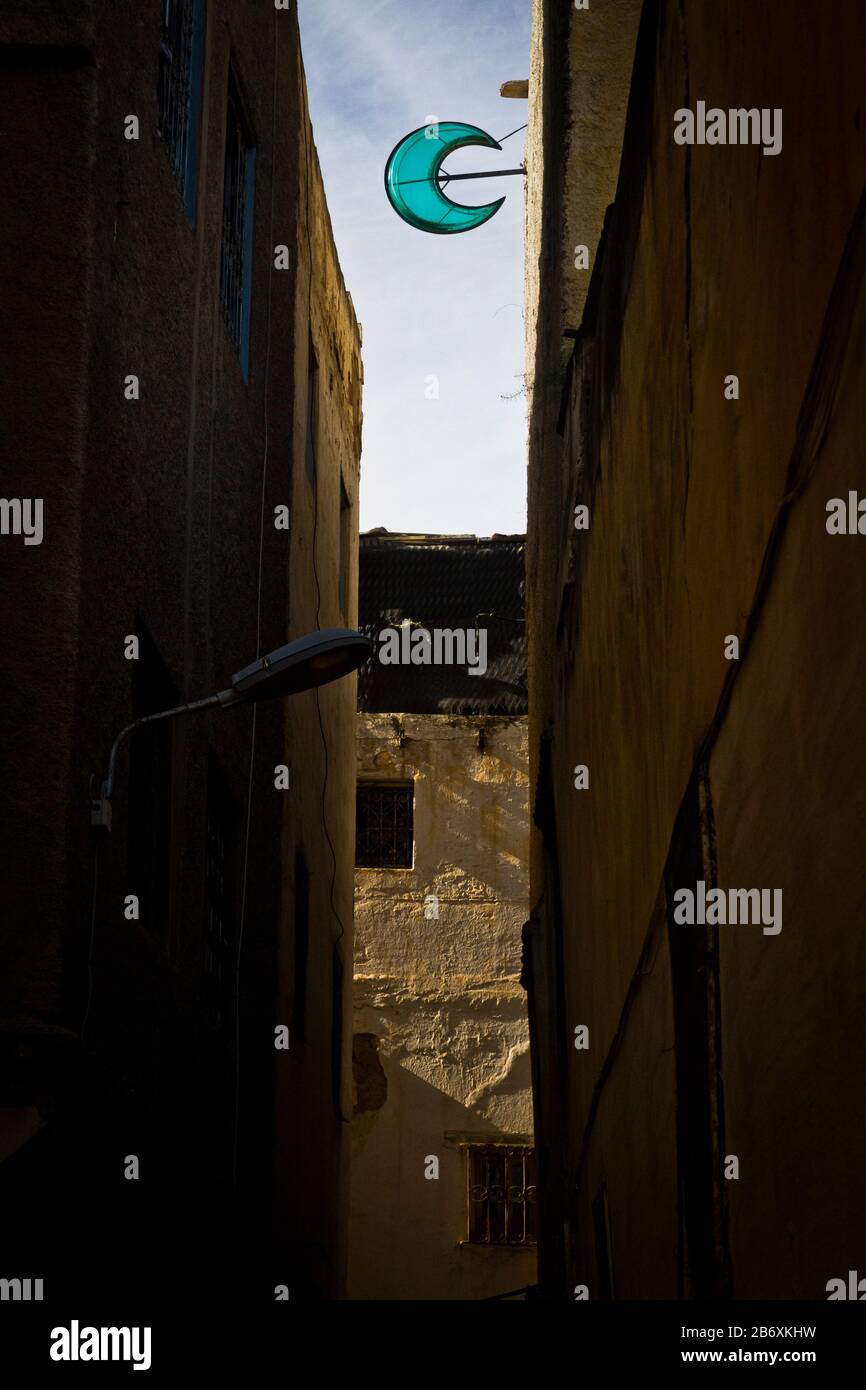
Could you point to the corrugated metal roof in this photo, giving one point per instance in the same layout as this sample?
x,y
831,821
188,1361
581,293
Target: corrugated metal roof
x,y
444,582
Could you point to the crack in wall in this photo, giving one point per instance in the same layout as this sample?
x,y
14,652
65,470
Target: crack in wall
x,y
500,1076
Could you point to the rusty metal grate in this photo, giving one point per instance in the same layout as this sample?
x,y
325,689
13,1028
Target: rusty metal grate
x,y
384,824
501,1187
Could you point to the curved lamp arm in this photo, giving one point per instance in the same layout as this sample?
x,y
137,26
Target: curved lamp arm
x,y
225,697
100,808
311,661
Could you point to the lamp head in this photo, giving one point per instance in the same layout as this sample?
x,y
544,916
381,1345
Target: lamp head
x,y
311,661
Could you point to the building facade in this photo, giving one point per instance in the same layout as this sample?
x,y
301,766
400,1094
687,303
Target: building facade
x,y
443,1201
696,666
182,392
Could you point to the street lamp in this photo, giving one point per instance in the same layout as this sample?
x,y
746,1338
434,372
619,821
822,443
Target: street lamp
x,y
311,661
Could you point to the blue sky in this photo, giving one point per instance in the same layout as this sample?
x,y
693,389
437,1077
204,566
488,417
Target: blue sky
x,y
447,306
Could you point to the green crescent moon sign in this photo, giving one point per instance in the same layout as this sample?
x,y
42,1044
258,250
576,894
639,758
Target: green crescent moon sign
x,y
414,184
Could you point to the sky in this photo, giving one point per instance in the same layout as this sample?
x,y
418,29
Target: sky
x,y
448,307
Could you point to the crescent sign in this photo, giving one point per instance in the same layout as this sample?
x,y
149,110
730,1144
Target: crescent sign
x,y
414,184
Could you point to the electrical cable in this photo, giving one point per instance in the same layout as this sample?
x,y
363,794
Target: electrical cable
x,y
513,132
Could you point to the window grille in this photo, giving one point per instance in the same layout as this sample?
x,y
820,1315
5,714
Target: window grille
x,y
235,257
501,1195
384,826
180,53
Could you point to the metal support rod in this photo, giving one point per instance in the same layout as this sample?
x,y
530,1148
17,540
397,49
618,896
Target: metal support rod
x,y
485,174
449,178
194,707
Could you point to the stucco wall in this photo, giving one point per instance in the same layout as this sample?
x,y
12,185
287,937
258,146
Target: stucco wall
x,y
443,999
720,260
580,75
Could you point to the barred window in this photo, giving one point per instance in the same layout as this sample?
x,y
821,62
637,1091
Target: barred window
x,y
180,74
236,253
384,826
501,1195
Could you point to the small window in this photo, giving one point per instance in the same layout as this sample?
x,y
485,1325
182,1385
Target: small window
x,y
312,412
345,541
237,240
180,82
384,826
501,1195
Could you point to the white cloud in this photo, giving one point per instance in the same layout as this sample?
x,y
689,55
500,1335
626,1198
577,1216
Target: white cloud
x,y
429,305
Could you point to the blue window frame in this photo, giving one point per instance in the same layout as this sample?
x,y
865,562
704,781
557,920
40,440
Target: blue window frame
x,y
181,56
236,257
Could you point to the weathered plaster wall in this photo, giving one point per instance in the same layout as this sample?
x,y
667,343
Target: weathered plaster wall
x,y
443,1001
719,260
580,73
583,120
